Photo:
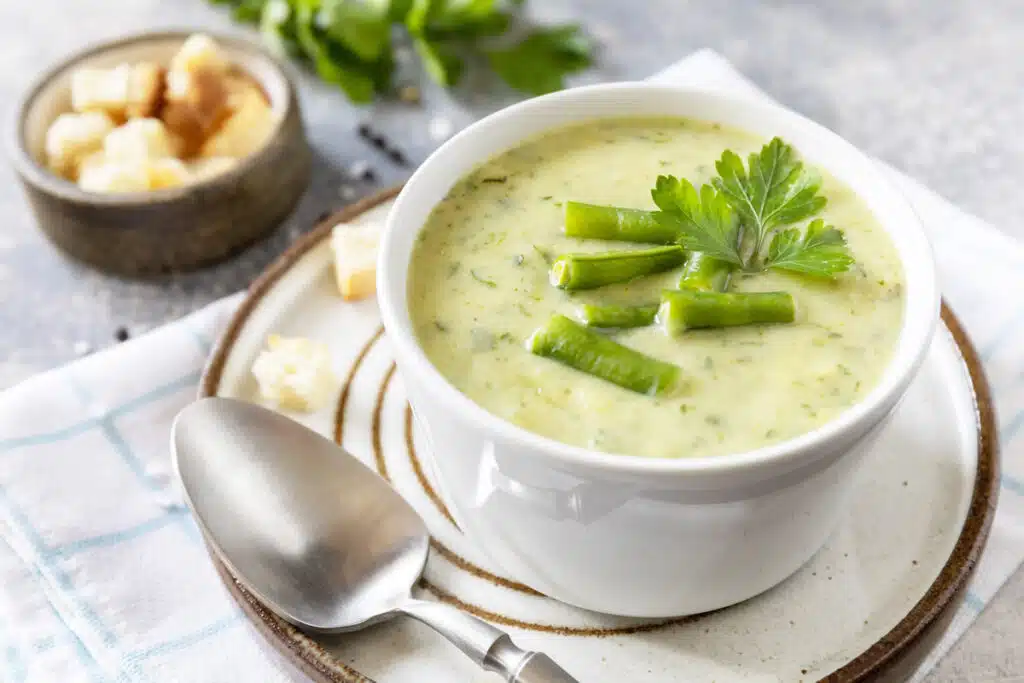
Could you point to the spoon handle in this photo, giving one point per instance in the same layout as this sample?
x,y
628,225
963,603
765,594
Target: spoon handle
x,y
490,647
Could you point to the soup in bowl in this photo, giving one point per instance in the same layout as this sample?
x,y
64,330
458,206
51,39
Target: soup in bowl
x,y
649,331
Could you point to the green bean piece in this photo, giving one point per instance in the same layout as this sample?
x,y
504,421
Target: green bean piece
x,y
587,271
705,273
572,344
683,310
590,221
617,316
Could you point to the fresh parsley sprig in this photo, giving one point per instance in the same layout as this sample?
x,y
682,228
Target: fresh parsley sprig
x,y
740,216
350,43
820,251
704,219
776,191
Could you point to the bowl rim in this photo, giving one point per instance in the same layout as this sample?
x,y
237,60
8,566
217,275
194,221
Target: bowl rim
x,y
789,454
45,180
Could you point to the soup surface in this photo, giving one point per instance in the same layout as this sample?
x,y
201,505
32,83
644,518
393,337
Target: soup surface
x,y
479,287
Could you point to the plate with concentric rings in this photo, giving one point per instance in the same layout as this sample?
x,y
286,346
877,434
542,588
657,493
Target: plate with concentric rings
x,y
866,607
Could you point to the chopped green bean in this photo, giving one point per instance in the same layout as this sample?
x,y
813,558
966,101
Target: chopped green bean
x,y
590,221
572,344
586,271
686,309
617,316
705,273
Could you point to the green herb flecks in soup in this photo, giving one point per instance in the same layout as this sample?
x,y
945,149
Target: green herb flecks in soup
x,y
770,323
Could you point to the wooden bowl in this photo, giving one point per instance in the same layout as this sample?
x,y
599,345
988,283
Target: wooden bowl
x,y
176,229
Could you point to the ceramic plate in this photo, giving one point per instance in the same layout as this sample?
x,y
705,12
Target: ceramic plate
x,y
866,605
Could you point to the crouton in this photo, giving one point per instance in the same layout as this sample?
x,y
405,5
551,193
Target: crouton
x,y
139,140
295,373
72,137
198,52
125,91
355,259
145,91
245,131
115,176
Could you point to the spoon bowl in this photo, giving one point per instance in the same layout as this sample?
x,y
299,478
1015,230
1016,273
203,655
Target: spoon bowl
x,y
324,541
317,536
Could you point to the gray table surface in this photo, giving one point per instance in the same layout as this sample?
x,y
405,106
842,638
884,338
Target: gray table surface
x,y
935,87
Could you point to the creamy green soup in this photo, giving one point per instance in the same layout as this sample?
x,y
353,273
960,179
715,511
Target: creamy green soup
x,y
479,286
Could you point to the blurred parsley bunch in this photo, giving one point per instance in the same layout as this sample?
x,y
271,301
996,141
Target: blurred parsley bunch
x,y
349,43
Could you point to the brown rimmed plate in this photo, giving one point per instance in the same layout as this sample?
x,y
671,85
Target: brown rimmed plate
x,y
867,607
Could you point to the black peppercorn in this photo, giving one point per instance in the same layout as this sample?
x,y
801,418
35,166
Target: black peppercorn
x,y
398,157
373,137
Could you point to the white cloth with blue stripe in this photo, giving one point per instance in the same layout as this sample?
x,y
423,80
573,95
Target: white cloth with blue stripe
x,y
102,573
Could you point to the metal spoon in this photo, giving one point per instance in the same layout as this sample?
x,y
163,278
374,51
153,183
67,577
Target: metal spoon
x,y
317,536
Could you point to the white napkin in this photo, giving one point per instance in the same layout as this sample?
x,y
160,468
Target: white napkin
x,y
102,573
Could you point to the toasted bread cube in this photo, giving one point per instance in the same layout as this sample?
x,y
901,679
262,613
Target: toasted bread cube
x,y
139,140
197,77
91,160
145,90
167,172
241,88
355,259
72,137
199,51
101,89
295,373
125,91
244,132
197,103
204,169
115,176
133,175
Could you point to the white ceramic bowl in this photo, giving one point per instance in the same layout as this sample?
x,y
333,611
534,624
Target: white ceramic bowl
x,y
630,535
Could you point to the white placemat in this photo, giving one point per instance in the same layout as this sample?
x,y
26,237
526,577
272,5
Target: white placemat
x,y
103,577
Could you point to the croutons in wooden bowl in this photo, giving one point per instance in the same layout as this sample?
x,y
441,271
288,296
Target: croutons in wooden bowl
x,y
161,152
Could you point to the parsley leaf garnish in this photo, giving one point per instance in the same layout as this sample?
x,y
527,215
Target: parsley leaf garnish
x,y
705,221
277,26
467,19
333,62
539,63
352,44
247,11
440,61
774,190
820,251
364,27
745,209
